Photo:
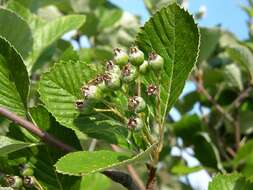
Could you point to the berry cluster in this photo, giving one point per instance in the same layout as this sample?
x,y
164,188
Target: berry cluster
x,y
25,180
123,69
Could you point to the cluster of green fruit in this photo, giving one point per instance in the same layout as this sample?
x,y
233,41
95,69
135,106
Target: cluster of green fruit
x,y
124,68
25,180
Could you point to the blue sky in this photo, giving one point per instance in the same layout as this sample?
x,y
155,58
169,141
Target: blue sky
x,y
224,12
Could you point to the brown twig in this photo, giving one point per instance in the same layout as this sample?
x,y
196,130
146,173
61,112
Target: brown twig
x,y
119,177
151,183
131,171
47,138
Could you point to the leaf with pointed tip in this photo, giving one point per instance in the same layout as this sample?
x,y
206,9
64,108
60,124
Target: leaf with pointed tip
x,y
172,33
8,145
85,163
14,81
16,31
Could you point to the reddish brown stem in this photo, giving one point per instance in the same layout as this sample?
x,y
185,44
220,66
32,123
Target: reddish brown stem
x,y
151,183
47,138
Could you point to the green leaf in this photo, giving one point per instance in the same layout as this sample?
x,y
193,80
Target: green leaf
x,y
230,182
182,169
209,41
187,127
8,145
172,33
206,152
95,181
242,55
60,88
85,163
50,32
30,18
246,122
14,81
244,153
16,31
233,76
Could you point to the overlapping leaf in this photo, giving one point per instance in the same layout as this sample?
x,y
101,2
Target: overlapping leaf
x,y
172,33
85,163
14,81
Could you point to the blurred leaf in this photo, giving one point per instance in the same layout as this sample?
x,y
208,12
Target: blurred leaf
x,y
186,103
16,31
8,145
182,169
50,32
230,182
187,127
233,77
209,41
171,32
242,55
30,18
206,152
246,122
95,181
85,163
94,54
14,81
154,5
244,153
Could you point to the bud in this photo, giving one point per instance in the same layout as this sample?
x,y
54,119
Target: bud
x,y
136,103
135,123
120,57
144,67
129,73
91,92
136,56
112,80
151,90
28,181
13,181
155,61
112,68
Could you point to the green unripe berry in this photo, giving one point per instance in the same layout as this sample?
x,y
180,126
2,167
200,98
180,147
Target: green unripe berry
x,y
136,56
120,57
91,92
112,80
144,67
136,104
112,68
13,181
135,123
129,73
27,171
156,62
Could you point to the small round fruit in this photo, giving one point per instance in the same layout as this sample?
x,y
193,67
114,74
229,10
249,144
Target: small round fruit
x,y
91,92
129,73
112,68
120,57
13,181
136,104
136,56
112,81
28,181
151,90
155,61
135,123
144,67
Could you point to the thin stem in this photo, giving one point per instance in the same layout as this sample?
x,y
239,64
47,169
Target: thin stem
x,y
47,138
131,171
120,177
93,145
